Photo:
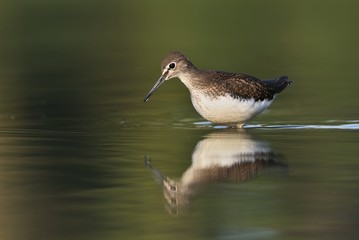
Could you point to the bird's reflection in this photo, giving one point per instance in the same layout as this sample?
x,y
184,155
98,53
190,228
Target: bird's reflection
x,y
229,156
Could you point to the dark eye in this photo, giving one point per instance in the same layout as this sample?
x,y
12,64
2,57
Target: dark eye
x,y
172,65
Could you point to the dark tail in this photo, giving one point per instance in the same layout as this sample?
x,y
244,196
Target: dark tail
x,y
278,84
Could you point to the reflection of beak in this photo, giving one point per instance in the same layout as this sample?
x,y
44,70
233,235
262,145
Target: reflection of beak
x,y
157,85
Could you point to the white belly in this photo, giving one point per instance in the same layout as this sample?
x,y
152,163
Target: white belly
x,y
227,110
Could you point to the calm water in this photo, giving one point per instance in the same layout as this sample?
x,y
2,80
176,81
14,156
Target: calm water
x,y
82,157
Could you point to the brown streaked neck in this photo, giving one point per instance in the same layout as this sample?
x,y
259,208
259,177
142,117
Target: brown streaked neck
x,y
192,77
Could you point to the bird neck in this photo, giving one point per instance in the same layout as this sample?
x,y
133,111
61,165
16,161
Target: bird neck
x,y
191,77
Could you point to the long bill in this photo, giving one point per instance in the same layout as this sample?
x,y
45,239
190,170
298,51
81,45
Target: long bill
x,y
157,85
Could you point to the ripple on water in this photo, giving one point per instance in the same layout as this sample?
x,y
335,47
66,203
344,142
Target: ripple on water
x,y
330,124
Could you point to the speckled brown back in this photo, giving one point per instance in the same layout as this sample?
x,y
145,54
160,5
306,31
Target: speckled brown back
x,y
243,86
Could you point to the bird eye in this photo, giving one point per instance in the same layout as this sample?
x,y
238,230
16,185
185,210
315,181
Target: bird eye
x,y
172,65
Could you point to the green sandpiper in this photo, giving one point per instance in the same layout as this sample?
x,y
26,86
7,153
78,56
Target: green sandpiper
x,y
221,97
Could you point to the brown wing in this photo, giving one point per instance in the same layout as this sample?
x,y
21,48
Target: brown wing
x,y
241,86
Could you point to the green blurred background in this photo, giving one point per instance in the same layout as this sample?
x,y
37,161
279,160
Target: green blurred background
x,y
75,59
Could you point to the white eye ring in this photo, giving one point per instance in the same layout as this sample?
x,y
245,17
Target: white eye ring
x,y
172,65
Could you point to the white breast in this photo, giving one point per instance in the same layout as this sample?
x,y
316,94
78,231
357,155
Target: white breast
x,y
226,109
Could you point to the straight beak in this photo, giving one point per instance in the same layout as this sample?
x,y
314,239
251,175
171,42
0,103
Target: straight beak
x,y
157,85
